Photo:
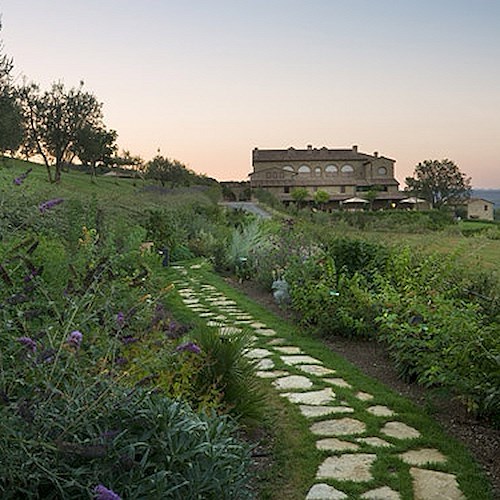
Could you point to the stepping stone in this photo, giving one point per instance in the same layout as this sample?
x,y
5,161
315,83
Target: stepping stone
x,y
215,323
339,427
423,456
300,360
375,442
325,492
399,430
276,341
191,301
334,444
292,382
348,467
245,317
257,325
384,493
227,331
257,353
322,411
433,485
288,350
266,332
363,396
265,364
316,398
317,370
380,411
207,315
195,266
271,374
339,382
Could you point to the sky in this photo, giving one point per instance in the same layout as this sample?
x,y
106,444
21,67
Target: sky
x,y
206,81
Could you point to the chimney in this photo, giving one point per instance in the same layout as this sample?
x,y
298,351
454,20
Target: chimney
x,y
355,148
309,147
375,153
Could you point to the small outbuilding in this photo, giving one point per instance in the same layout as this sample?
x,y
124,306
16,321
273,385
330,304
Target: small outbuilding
x,y
480,209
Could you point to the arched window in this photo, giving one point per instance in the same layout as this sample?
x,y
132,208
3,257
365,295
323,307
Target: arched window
x,y
288,168
382,171
331,170
317,171
347,169
304,169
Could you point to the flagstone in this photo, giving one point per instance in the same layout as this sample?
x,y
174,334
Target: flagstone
x,y
399,430
288,350
317,370
384,493
380,411
257,325
265,364
434,485
316,398
271,374
323,491
422,456
300,360
258,353
363,396
348,467
276,341
321,411
334,444
338,427
292,382
339,382
374,441
266,332
229,330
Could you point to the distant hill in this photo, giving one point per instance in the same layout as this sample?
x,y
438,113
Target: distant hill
x,y
488,194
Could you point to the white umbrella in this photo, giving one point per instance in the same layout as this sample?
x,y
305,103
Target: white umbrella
x,y
355,200
413,200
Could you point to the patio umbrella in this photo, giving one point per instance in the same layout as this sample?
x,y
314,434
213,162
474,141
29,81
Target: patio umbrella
x,y
355,200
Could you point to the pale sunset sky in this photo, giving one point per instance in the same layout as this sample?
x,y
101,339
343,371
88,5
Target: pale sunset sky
x,y
206,81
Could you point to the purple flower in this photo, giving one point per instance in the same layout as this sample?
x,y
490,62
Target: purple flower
x,y
128,339
75,339
103,493
28,342
120,319
47,205
188,346
19,180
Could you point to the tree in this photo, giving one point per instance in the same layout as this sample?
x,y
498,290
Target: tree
x,y
95,144
11,122
299,194
54,120
321,197
169,171
439,182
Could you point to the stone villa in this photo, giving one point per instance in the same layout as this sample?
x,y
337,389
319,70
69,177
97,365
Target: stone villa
x,y
347,175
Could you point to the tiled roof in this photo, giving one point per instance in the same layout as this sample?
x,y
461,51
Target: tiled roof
x,y
310,154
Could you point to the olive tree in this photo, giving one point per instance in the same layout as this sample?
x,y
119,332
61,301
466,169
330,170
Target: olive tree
x,y
55,119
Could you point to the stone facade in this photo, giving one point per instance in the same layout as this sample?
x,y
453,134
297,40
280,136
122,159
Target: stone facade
x,y
342,173
480,209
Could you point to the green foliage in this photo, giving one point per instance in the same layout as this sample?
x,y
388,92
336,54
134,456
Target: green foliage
x,y
299,195
439,182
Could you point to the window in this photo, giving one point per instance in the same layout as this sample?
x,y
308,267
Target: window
x,y
288,168
286,189
382,171
317,171
486,208
304,169
347,169
331,170
342,189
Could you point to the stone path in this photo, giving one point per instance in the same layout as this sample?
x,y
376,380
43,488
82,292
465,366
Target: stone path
x,y
328,402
